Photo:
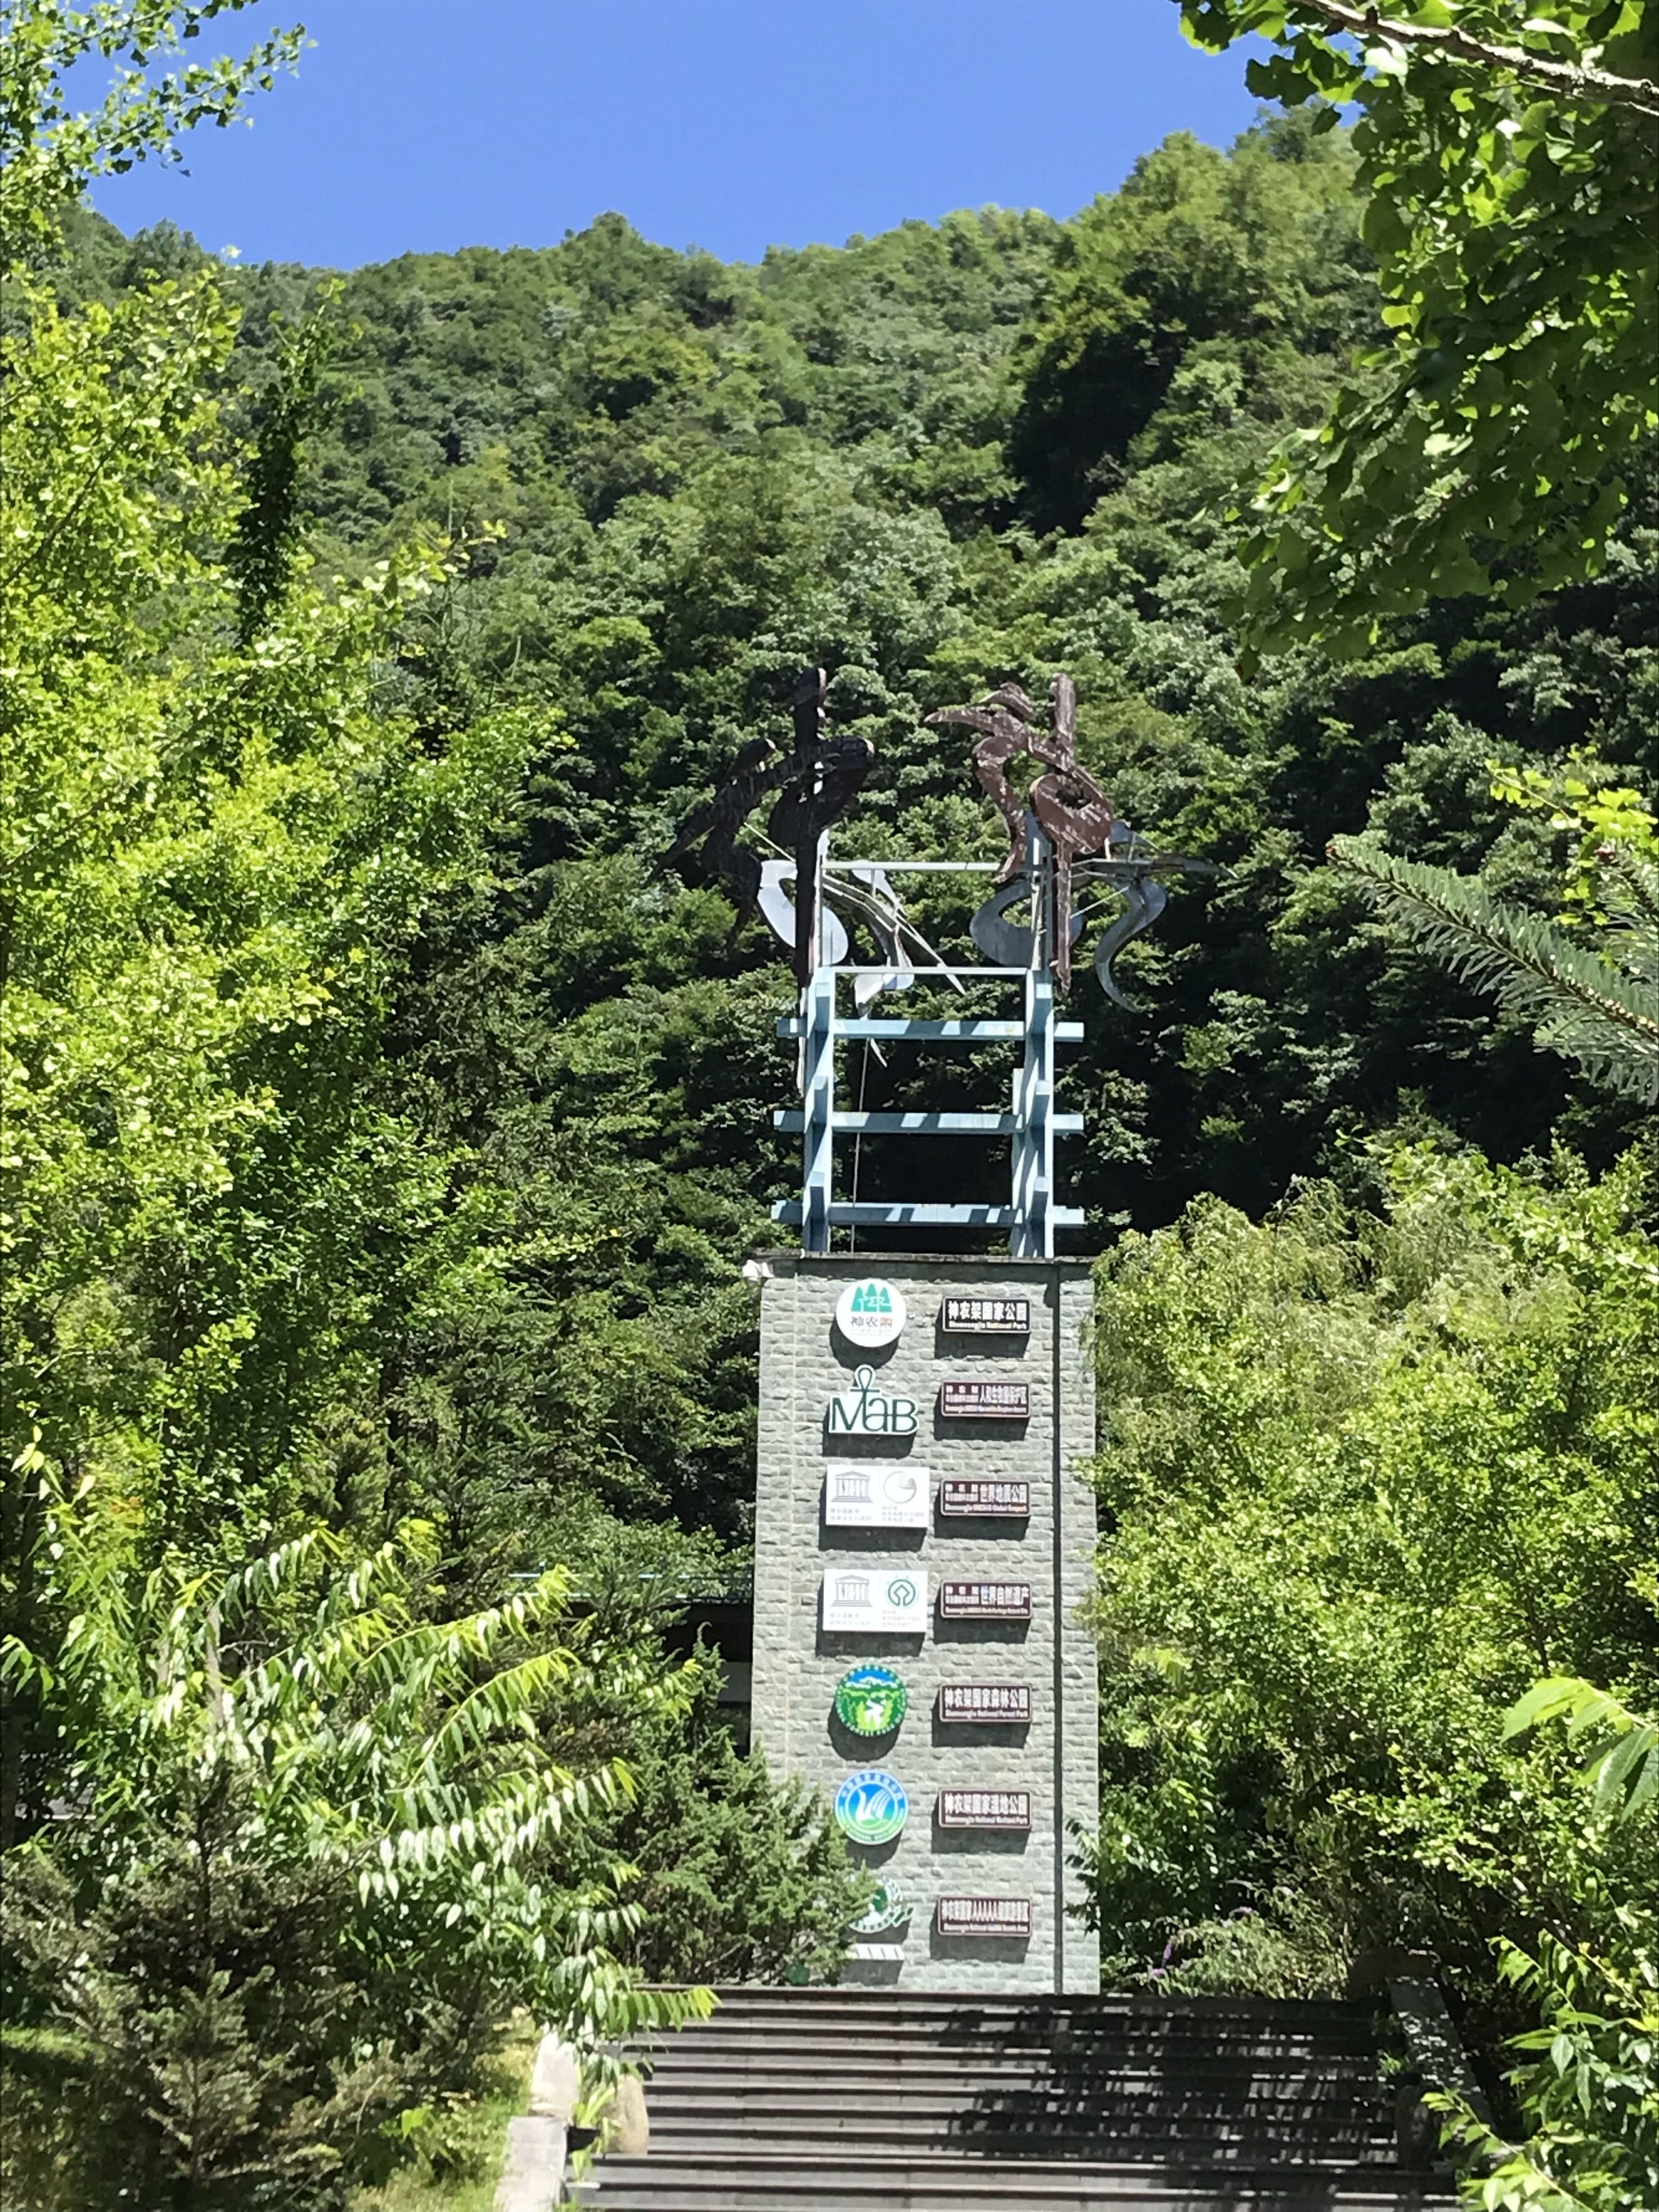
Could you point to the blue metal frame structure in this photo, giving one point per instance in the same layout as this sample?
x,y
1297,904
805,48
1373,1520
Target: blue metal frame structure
x,y
1033,1214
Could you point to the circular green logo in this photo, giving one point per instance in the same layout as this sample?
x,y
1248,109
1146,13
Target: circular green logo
x,y
871,1700
888,1908
871,1806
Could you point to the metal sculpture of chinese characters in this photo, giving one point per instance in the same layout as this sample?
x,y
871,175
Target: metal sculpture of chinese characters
x,y
816,783
1065,844
1076,819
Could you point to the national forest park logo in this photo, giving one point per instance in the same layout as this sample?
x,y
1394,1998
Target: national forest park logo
x,y
871,1700
872,1806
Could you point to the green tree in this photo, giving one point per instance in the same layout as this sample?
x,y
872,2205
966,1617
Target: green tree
x,y
1596,1001
1506,150
1365,1481
320,1843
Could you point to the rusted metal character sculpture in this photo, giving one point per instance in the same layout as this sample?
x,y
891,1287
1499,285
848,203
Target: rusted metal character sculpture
x,y
1075,813
1078,820
815,784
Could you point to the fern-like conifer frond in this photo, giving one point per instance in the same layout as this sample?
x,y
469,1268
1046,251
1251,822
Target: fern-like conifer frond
x,y
1581,1004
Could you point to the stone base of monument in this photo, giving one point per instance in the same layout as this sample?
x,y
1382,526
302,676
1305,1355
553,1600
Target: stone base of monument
x,y
924,1559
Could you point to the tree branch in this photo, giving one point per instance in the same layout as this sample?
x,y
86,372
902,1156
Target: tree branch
x,y
1568,79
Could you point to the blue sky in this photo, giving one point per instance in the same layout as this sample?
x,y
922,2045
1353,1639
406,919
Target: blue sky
x,y
422,126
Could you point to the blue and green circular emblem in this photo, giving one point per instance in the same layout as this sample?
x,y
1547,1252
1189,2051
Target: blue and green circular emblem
x,y
871,1806
871,1700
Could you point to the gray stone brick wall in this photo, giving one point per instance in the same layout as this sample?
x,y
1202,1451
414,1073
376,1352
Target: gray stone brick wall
x,y
797,1664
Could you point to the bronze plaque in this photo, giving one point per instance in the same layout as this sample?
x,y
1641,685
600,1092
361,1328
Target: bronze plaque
x,y
985,1601
987,1317
1005,1702
985,1402
984,1915
983,1809
985,1501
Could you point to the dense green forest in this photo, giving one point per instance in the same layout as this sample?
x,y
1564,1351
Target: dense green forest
x,y
389,1127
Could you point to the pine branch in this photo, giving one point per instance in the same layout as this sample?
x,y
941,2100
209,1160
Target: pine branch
x,y
1566,80
1581,1004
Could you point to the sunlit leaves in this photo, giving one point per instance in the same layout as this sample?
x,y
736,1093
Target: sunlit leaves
x,y
1513,232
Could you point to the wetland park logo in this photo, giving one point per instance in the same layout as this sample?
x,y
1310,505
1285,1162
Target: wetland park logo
x,y
872,1806
871,1700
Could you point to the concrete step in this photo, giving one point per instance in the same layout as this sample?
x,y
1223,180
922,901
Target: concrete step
x,y
960,2089
1297,2071
718,2142
775,1998
923,2082
666,2183
1077,2051
1049,2023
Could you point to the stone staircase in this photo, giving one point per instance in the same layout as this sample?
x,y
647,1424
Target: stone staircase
x,y
871,2101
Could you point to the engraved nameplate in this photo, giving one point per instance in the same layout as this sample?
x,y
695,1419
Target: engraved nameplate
x,y
987,1317
985,1601
985,1402
984,1915
1007,1703
984,1808
985,1501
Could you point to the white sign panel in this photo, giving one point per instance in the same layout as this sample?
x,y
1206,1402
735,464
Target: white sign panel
x,y
871,1314
875,1600
875,1494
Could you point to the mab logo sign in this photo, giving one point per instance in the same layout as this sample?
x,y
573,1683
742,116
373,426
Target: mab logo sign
x,y
864,1411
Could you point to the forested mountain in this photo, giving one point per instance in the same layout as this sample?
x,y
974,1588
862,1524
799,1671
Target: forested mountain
x,y
389,1124
931,459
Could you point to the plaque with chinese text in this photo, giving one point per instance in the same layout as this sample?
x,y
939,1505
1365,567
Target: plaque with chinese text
x,y
875,1601
1005,1703
985,1402
984,1808
985,1601
875,1494
987,1317
985,1501
984,1915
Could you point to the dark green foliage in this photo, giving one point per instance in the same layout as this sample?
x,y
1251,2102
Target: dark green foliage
x,y
676,483
1364,1480
230,2057
743,1879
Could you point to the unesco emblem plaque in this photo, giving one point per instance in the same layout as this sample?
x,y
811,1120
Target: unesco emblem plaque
x,y
984,1915
874,1601
985,1402
985,1601
984,1500
1006,1702
987,1317
1009,1809
875,1494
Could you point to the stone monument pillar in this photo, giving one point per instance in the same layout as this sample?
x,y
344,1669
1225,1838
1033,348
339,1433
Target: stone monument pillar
x,y
924,1529
924,1542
